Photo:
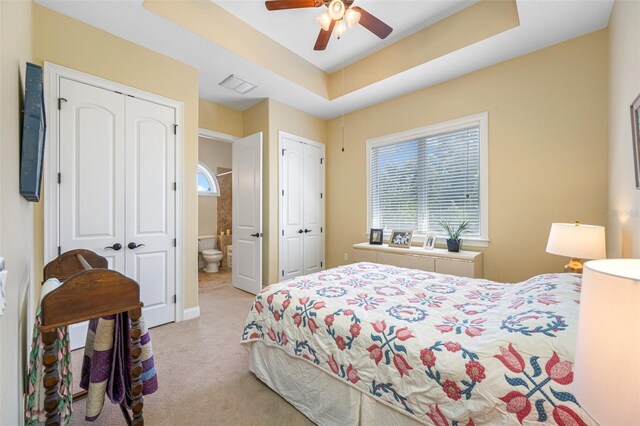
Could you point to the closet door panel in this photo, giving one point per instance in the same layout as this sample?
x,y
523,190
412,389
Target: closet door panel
x,y
91,170
150,206
292,209
313,178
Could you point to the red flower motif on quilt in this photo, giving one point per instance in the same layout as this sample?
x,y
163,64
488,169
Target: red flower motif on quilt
x,y
379,326
297,319
286,303
276,315
427,357
375,353
318,305
348,312
475,371
333,365
451,389
437,417
452,346
259,307
517,404
303,300
565,416
328,320
559,371
352,374
511,359
401,364
270,299
312,325
271,334
403,334
354,330
341,343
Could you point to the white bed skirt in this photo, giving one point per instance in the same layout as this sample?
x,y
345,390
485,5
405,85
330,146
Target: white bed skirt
x,y
322,398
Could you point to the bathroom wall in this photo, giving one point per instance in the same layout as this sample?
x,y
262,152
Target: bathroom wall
x,y
214,154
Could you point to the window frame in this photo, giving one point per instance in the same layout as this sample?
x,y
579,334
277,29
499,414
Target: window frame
x,y
480,119
215,192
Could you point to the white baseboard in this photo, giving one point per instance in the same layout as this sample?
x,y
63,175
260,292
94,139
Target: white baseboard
x,y
191,313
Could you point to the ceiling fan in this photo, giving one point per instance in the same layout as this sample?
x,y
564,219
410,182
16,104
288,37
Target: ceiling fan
x,y
339,16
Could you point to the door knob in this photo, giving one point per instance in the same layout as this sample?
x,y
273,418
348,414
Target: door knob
x,y
306,231
133,245
116,247
257,234
300,231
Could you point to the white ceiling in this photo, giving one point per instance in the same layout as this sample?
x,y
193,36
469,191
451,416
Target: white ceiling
x,y
542,24
297,29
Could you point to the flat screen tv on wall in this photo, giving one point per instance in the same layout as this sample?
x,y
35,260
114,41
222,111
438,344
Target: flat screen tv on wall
x,y
34,127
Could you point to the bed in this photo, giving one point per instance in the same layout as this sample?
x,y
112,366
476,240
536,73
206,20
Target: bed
x,y
377,344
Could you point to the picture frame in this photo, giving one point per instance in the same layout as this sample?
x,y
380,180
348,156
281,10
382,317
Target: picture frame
x,y
401,239
376,236
429,241
635,132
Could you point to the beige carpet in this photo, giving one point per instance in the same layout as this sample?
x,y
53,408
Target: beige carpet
x,y
203,371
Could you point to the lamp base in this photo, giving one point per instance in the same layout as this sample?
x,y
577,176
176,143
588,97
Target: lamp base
x,y
575,266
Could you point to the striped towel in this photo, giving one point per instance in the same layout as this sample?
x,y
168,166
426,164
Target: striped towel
x,y
107,364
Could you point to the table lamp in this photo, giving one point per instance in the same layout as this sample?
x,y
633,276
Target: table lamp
x,y
577,241
606,369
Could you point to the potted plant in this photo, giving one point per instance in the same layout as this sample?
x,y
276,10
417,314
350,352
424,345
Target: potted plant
x,y
453,234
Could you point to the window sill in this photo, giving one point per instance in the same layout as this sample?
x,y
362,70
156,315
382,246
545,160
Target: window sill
x,y
208,194
441,242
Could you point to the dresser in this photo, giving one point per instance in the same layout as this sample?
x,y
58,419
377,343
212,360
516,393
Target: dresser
x,y
463,263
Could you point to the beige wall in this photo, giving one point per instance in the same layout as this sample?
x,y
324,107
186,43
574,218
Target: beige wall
x,y
16,214
623,230
547,132
219,118
269,117
212,154
70,43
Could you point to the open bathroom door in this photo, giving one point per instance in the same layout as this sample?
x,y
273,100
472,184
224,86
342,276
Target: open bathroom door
x,y
247,213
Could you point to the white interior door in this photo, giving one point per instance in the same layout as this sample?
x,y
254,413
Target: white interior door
x,y
117,174
301,206
150,206
91,179
292,224
313,250
247,213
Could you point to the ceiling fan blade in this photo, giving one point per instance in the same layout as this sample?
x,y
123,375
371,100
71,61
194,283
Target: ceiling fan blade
x,y
372,23
291,4
323,37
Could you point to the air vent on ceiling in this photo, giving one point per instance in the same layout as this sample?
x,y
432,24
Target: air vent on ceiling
x,y
237,84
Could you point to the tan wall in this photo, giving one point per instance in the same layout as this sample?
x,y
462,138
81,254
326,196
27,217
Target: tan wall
x,y
623,230
219,118
269,117
70,43
16,214
212,154
547,132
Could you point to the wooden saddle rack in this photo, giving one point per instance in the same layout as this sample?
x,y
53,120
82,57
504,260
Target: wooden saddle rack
x,y
89,290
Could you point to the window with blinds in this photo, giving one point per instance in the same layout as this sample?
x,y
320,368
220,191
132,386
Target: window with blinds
x,y
432,177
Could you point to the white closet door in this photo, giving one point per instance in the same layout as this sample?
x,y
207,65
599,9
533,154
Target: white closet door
x,y
313,249
91,196
292,225
150,206
247,213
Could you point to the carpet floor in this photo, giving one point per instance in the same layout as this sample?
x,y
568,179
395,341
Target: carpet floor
x,y
203,370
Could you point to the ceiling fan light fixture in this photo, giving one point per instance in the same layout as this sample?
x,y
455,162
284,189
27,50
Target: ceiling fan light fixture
x,y
341,28
325,21
336,9
352,17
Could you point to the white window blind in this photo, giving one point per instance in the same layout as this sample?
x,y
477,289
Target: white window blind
x,y
414,184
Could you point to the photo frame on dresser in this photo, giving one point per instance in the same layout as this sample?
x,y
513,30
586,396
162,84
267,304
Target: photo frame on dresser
x,y
635,133
429,241
401,239
376,236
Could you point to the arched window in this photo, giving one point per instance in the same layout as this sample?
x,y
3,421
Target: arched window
x,y
207,182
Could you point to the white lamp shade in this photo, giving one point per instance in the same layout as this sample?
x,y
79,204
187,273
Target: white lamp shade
x,y
607,364
325,21
579,241
336,9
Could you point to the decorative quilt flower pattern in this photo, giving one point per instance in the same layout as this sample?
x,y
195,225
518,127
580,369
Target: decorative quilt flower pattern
x,y
444,350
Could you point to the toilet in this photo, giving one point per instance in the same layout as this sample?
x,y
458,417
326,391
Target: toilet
x,y
211,256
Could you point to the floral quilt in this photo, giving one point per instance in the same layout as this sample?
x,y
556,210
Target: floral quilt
x,y
444,349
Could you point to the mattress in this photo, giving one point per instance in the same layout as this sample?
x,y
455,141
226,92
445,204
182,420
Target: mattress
x,y
437,348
